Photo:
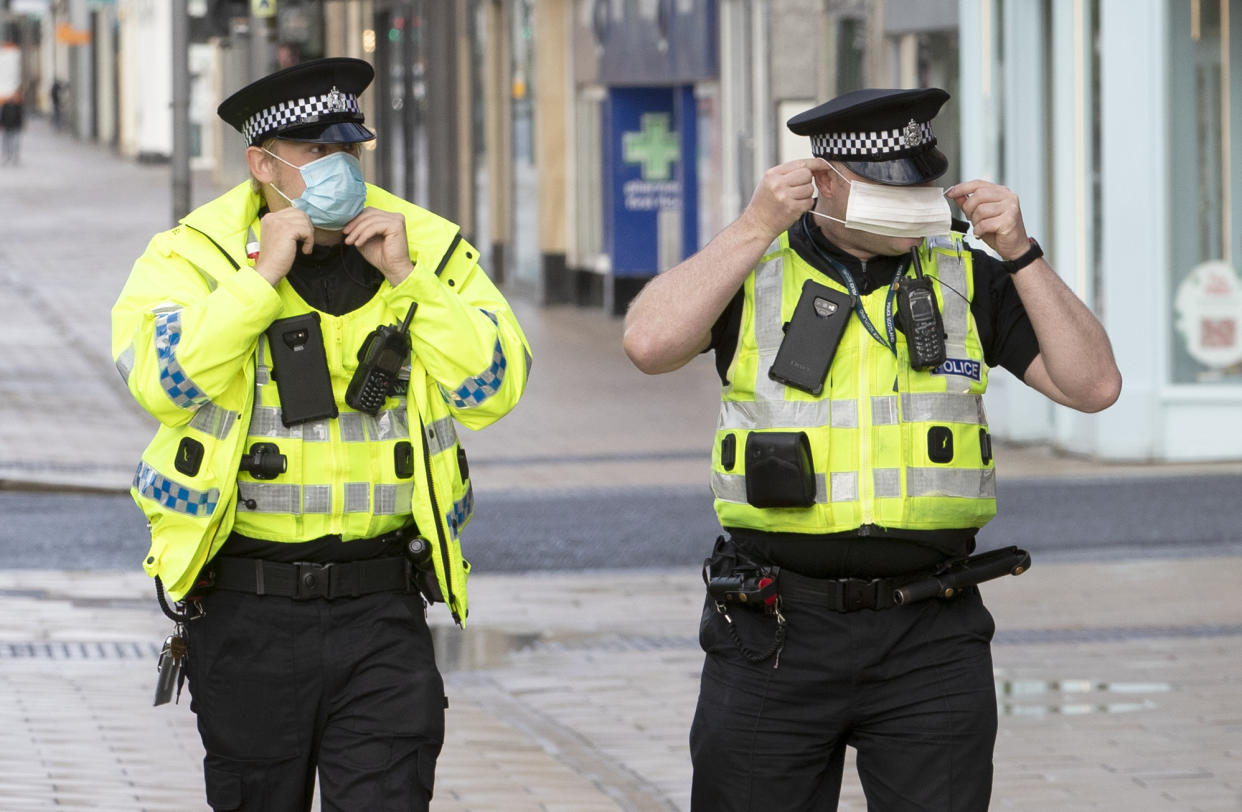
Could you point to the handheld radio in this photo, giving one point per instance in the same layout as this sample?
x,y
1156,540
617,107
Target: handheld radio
x,y
379,363
920,319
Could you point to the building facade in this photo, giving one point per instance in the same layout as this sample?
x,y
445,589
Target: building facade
x,y
585,145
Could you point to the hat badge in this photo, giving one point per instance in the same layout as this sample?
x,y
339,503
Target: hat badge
x,y
336,100
911,134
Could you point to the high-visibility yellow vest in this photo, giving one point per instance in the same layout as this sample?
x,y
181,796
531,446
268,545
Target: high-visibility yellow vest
x,y
890,446
187,334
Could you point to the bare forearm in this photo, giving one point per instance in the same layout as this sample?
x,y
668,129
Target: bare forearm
x,y
670,321
1073,347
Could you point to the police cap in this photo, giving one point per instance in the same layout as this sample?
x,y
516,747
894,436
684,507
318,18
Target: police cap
x,y
883,135
311,101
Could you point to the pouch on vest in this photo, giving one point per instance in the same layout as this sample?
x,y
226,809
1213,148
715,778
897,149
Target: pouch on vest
x,y
779,472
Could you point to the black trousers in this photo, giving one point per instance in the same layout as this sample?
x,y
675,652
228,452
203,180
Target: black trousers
x,y
911,688
348,687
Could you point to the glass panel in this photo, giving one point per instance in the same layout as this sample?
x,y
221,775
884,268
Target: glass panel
x,y
525,179
1205,288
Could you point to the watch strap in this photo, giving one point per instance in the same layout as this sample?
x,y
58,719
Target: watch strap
x,y
1018,263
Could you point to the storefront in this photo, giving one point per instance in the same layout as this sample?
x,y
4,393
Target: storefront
x,y
1114,121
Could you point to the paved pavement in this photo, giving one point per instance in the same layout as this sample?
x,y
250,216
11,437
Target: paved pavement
x,y
1118,681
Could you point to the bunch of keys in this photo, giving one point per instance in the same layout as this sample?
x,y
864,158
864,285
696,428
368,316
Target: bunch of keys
x,y
171,667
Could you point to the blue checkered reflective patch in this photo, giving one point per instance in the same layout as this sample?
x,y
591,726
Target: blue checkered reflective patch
x,y
462,510
172,494
177,385
474,391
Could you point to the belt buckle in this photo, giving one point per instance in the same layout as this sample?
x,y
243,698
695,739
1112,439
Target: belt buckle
x,y
858,594
313,580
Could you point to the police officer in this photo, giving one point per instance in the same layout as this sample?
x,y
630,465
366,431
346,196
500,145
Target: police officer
x,y
874,473
306,342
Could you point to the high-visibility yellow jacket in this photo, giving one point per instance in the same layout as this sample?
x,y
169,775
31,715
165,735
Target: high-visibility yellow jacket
x,y
188,337
889,446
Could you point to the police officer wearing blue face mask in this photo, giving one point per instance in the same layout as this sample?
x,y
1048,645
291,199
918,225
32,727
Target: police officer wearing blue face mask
x,y
308,343
853,329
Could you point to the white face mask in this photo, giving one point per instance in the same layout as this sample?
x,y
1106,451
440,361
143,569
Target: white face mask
x,y
894,211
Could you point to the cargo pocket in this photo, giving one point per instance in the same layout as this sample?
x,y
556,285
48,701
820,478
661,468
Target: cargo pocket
x,y
224,788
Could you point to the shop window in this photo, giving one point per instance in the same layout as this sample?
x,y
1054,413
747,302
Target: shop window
x,y
1205,99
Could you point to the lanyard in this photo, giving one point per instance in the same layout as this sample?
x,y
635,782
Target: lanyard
x,y
848,279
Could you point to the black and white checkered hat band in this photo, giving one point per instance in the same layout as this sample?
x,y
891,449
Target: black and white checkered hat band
x,y
866,144
297,112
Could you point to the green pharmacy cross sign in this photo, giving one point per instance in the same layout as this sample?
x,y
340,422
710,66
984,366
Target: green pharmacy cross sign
x,y
654,146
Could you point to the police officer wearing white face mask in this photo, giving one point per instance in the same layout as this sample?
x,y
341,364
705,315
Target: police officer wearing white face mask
x,y
308,343
853,329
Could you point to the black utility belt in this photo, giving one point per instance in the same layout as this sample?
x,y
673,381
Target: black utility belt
x,y
948,581
304,580
731,578
842,594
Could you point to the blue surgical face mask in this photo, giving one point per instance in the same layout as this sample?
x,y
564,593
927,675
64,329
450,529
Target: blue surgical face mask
x,y
335,191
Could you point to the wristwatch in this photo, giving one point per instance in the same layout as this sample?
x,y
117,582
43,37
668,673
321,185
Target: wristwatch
x,y
1033,253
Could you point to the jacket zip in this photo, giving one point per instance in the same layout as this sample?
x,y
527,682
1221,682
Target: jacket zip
x,y
435,509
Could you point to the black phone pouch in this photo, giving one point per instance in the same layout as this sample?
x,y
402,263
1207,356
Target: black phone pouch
x,y
779,471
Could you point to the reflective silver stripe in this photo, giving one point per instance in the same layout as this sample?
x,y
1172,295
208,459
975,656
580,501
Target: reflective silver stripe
x,y
955,311
942,407
769,279
441,435
391,500
732,488
750,414
317,499
316,431
845,486
967,483
265,422
213,420
887,482
262,370
943,241
883,410
951,271
125,362
174,495
729,487
844,414
261,497
353,427
357,497
389,424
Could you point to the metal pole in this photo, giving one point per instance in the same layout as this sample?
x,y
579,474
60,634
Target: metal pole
x,y
181,111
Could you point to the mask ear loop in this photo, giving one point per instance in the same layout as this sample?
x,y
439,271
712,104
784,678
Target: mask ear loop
x,y
829,216
286,163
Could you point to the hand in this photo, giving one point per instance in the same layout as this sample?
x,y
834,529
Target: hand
x,y
994,215
786,192
281,233
380,238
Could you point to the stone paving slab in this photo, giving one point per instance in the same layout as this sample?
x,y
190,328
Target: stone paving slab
x,y
583,700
